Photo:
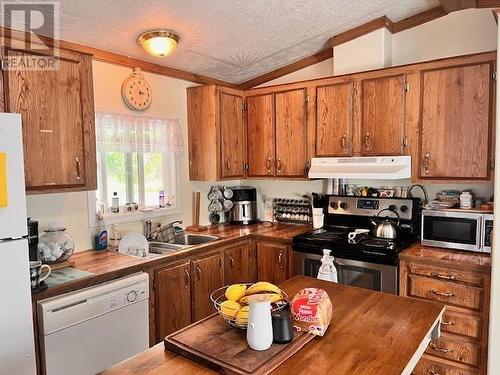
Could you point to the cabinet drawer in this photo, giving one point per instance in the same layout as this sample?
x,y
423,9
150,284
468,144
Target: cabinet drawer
x,y
444,274
448,292
461,324
461,351
428,367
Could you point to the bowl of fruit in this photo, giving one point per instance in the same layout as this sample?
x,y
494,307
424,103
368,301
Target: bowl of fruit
x,y
232,301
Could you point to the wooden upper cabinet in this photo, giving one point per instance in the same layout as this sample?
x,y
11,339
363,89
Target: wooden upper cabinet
x,y
216,133
207,277
260,136
456,122
232,135
172,299
334,119
382,115
204,163
57,109
291,133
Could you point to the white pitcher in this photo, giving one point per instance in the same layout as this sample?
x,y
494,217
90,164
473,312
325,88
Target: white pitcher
x,y
260,327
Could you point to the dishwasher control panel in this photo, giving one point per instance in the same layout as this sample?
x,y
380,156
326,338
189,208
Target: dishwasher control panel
x,y
125,296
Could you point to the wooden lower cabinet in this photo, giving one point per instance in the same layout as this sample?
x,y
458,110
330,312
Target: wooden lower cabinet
x,y
273,261
464,288
206,277
172,299
240,263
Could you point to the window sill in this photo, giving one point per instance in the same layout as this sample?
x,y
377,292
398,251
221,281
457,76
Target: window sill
x,y
139,215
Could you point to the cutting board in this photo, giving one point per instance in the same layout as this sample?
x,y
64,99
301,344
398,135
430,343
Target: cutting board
x,y
215,344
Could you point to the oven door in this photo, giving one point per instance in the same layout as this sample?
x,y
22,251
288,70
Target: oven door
x,y
453,230
379,277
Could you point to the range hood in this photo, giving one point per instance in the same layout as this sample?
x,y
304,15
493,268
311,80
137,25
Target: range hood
x,y
376,167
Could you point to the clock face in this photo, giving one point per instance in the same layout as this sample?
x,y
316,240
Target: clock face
x,y
136,92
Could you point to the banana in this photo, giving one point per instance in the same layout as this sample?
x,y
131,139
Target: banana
x,y
261,297
262,287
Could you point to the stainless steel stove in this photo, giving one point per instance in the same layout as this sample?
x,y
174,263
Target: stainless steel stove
x,y
364,261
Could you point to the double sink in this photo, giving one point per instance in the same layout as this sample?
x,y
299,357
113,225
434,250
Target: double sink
x,y
181,242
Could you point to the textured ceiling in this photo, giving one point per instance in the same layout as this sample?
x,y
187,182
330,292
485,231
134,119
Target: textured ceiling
x,y
232,40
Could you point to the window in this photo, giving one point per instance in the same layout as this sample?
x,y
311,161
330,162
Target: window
x,y
137,159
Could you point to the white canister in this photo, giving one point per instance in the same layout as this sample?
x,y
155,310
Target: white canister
x,y
466,199
260,326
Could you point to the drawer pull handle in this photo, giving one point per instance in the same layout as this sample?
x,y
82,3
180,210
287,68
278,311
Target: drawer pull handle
x,y
438,349
442,294
231,260
444,277
450,323
432,372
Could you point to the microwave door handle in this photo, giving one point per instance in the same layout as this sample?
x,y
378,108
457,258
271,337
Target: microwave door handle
x,y
479,237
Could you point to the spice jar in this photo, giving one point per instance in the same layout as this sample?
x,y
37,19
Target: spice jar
x,y
466,199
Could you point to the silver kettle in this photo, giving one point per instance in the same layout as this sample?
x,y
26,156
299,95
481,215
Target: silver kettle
x,y
386,228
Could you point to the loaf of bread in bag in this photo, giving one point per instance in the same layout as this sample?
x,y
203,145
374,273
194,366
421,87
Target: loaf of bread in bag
x,y
311,311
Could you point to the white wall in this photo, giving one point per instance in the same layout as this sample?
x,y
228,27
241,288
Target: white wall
x,y
319,70
458,33
371,51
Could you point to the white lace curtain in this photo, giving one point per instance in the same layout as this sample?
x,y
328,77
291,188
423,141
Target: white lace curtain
x,y
127,133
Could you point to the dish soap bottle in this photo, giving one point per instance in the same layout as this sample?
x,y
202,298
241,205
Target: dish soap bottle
x,y
327,271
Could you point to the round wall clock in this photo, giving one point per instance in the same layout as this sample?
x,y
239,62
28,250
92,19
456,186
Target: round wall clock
x,y
136,92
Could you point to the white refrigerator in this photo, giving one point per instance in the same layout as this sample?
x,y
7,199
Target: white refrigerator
x,y
17,351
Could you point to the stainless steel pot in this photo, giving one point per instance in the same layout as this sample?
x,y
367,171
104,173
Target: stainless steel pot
x,y
387,228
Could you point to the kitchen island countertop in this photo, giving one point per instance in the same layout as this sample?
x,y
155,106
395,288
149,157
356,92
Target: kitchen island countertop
x,y
370,333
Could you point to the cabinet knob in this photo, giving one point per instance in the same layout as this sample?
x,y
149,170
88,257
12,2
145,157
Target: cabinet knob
x,y
427,158
367,141
187,277
78,170
343,142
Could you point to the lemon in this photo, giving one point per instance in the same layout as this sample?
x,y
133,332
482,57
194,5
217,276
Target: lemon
x,y
242,316
229,309
235,292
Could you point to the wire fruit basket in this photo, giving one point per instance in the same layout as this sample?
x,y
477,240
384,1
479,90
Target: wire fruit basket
x,y
237,316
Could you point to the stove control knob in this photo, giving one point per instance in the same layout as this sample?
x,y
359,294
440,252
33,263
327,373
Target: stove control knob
x,y
343,205
404,208
392,207
334,205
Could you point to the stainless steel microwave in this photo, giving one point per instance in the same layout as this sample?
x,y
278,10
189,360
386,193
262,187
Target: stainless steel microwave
x,y
457,230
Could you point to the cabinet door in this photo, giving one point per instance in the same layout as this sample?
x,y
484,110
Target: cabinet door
x,y
202,133
232,135
291,137
207,276
58,121
260,136
240,264
172,299
456,118
382,115
272,262
334,120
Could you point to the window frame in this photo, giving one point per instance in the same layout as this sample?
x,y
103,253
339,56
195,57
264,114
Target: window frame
x,y
147,213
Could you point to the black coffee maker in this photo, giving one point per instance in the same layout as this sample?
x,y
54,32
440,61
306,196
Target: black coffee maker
x,y
33,239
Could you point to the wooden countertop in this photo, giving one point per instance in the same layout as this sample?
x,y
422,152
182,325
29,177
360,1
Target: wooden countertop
x,y
370,333
463,259
107,265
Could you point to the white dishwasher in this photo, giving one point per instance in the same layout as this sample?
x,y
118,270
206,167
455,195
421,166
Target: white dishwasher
x,y
87,331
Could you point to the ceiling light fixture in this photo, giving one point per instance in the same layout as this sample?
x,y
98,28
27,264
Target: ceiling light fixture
x,y
158,42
